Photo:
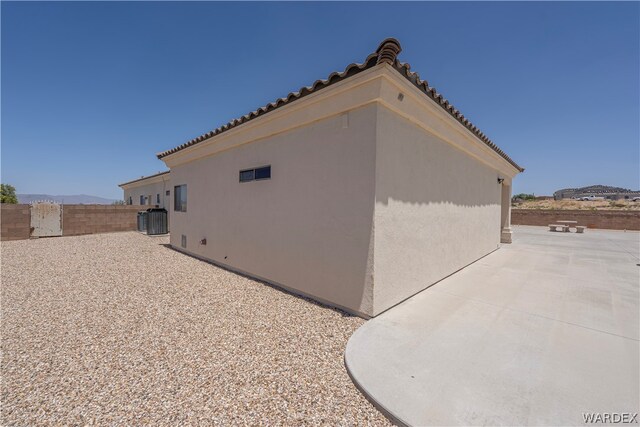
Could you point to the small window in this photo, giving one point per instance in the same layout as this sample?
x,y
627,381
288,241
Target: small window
x,y
263,173
180,198
246,176
183,241
130,200
158,199
142,200
256,174
168,193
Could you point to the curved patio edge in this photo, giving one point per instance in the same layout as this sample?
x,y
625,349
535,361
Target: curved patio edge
x,y
502,342
395,420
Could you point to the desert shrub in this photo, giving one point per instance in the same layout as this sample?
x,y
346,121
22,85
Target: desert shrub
x,y
524,196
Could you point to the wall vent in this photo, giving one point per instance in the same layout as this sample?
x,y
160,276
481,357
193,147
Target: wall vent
x,y
183,243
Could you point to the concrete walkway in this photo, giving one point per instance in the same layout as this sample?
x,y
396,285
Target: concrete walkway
x,y
537,333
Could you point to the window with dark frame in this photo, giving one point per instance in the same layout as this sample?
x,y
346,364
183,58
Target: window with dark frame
x,y
247,175
263,173
256,174
180,198
158,199
142,200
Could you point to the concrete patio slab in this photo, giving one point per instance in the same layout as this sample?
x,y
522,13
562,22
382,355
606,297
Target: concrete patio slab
x,y
539,332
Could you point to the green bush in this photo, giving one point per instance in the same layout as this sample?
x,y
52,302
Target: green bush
x,y
8,194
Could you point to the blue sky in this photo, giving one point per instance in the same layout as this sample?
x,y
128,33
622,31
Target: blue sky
x,y
91,91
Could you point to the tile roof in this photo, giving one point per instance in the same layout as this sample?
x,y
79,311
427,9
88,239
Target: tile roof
x,y
387,53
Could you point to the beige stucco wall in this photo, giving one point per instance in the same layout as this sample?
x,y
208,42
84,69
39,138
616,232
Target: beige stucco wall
x,y
309,227
374,196
151,189
437,210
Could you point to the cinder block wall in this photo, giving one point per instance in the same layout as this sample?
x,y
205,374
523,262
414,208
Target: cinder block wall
x,y
611,220
76,219
92,219
14,221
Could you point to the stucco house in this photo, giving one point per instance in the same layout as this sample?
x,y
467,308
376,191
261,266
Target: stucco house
x,y
153,190
358,191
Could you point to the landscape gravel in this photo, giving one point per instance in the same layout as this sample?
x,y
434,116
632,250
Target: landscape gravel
x,y
119,329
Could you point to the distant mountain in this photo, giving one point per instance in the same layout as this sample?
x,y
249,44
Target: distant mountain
x,y
596,190
599,189
76,199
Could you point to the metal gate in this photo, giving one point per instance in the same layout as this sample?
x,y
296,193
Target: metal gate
x,y
46,219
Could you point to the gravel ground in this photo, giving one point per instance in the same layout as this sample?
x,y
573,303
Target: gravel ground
x,y
119,329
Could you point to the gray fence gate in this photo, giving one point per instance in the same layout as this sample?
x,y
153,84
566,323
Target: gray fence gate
x,y
46,219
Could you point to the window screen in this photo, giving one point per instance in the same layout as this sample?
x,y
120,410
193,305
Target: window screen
x,y
180,198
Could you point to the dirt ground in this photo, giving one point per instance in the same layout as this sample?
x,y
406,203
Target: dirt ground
x,y
119,329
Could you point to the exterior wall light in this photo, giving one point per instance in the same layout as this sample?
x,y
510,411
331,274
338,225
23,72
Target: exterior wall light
x,y
500,180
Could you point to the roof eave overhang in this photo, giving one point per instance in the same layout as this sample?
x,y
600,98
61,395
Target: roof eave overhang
x,y
385,57
151,179
429,115
380,85
346,95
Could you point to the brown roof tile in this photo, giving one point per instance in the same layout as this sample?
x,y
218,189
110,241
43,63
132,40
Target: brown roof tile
x,y
387,53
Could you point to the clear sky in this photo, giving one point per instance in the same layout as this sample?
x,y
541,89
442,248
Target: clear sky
x,y
92,91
